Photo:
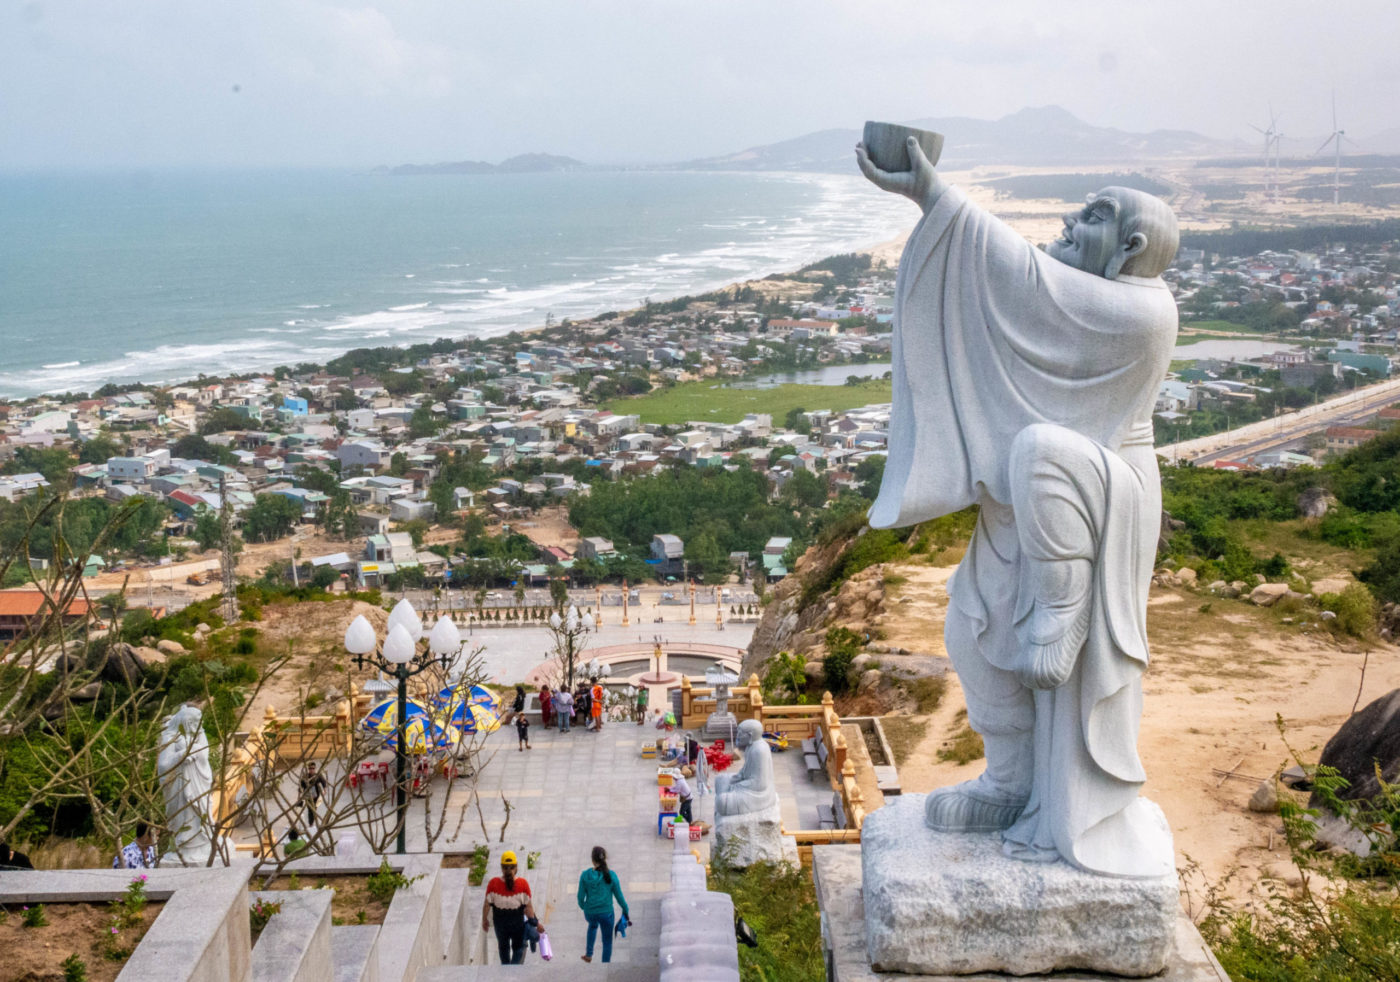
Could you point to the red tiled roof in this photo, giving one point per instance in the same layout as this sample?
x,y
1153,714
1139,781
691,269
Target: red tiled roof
x,y
27,603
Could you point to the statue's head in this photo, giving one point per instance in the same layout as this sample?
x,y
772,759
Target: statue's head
x,y
750,730
1119,231
185,721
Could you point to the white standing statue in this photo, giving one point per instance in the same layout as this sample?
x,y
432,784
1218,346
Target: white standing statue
x,y
185,782
1024,383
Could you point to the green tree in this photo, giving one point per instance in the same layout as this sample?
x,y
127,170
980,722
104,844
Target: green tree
x,y
207,531
222,419
797,421
271,517
804,489
99,449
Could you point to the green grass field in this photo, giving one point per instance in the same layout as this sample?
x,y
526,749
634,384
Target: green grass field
x,y
716,402
1217,327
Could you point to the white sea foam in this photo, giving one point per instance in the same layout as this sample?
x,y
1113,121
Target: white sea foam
x,y
842,216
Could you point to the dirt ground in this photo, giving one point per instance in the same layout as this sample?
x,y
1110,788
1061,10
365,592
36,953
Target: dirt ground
x,y
549,527
1219,678
313,635
36,954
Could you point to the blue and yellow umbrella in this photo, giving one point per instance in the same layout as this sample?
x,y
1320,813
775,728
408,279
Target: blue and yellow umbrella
x,y
422,734
477,695
471,718
384,718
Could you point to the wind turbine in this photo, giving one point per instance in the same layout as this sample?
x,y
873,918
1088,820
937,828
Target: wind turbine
x,y
1271,137
1335,139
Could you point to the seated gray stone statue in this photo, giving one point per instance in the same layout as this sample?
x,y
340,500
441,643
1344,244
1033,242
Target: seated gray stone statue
x,y
748,821
751,790
1024,383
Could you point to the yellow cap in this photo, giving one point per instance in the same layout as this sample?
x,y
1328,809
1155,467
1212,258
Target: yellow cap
x,y
508,858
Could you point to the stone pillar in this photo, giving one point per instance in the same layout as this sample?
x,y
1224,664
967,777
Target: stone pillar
x,y
692,602
625,621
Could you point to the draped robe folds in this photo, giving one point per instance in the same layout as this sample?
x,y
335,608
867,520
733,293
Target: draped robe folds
x,y
991,336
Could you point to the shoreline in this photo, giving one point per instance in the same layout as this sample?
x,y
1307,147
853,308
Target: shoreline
x,y
886,251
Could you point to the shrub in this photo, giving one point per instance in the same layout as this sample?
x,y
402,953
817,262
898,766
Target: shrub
x,y
261,912
477,871
383,885
779,902
74,969
35,916
1355,609
841,647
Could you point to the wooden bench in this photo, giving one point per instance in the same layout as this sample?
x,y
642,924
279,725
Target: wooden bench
x,y
815,760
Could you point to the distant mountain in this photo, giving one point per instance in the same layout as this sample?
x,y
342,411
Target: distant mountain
x,y
1040,135
525,163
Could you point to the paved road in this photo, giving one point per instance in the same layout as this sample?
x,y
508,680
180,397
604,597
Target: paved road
x,y
1287,430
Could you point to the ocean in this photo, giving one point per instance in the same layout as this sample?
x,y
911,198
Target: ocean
x,y
162,276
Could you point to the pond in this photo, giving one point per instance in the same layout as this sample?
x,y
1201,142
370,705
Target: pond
x,y
1227,349
826,375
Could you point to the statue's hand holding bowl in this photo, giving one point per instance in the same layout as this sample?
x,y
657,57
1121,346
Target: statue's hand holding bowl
x,y
915,182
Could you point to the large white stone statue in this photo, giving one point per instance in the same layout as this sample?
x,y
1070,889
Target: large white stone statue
x,y
748,820
1024,383
185,782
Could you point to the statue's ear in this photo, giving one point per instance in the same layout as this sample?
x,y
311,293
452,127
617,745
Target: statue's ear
x,y
1136,243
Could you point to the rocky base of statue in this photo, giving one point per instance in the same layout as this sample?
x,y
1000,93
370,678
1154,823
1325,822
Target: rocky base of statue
x,y
742,840
940,903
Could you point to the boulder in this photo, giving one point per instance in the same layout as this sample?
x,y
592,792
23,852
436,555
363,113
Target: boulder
x,y
859,662
1328,615
1218,586
1265,797
815,672
1268,594
869,680
151,656
202,628
743,840
1186,576
1369,739
170,647
1315,502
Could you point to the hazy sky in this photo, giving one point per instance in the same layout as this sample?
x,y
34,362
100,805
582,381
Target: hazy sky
x,y
95,83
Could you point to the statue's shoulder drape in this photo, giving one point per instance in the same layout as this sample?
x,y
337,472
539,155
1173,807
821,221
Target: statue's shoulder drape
x,y
991,335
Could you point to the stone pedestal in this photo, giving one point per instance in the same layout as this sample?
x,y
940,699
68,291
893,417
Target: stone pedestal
x,y
953,904
756,837
837,872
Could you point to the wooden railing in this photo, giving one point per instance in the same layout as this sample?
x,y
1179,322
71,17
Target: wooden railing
x,y
796,723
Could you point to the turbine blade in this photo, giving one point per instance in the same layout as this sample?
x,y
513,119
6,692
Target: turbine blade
x,y
1324,145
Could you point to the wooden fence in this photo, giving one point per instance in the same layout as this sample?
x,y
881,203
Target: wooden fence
x,y
796,723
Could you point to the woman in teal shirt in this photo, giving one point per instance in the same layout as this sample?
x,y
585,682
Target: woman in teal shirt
x,y
596,889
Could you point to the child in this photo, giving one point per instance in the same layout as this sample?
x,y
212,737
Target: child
x,y
522,730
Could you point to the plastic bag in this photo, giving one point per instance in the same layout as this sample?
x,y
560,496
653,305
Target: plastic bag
x,y
546,952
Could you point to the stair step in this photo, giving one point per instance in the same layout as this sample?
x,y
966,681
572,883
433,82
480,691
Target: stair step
x,y
354,952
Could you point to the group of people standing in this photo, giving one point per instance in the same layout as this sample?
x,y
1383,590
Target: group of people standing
x,y
562,708
509,910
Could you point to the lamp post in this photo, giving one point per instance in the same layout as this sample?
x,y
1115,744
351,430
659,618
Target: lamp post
x,y
399,655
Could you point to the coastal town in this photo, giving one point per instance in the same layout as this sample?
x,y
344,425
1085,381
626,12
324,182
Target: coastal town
x,y
379,451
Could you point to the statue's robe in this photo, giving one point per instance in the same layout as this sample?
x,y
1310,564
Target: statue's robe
x,y
992,336
752,789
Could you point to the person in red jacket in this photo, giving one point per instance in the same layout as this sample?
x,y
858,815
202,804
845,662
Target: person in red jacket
x,y
508,905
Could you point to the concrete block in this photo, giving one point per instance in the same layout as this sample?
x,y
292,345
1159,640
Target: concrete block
x,y
697,938
457,921
295,946
202,935
355,952
837,872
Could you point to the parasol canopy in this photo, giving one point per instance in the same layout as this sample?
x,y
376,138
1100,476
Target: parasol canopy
x,y
471,718
422,734
477,694
384,718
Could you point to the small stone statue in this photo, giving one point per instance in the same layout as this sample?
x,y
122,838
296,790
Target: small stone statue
x,y
185,781
751,790
748,821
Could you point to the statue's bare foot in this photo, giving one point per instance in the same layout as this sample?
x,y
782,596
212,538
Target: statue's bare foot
x,y
973,806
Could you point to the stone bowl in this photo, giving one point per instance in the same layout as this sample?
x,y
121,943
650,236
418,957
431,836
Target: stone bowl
x,y
884,143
